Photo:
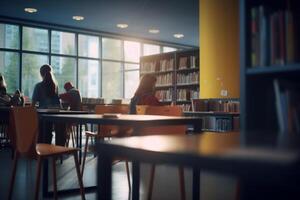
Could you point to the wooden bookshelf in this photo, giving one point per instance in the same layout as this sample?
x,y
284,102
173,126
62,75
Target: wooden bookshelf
x,y
177,76
270,51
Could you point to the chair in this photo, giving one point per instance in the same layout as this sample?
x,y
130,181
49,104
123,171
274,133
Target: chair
x,y
163,130
107,131
23,134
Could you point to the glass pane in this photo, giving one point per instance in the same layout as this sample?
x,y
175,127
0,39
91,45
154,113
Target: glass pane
x,y
169,49
132,79
63,43
89,82
131,66
64,70
35,39
111,49
88,46
9,36
132,51
9,68
31,64
112,80
150,49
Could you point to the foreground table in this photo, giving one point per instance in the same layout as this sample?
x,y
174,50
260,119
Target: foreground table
x,y
260,163
137,122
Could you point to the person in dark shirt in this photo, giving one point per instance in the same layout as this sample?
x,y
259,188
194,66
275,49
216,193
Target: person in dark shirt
x,y
46,94
145,93
72,96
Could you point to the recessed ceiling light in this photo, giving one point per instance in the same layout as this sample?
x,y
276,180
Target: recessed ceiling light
x,y
78,18
178,35
30,10
154,31
122,25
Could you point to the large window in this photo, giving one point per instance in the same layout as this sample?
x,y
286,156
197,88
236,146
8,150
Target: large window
x,y
9,68
9,36
89,73
98,66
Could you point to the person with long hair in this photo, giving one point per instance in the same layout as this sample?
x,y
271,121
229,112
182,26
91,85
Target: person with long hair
x,y
45,93
4,97
145,93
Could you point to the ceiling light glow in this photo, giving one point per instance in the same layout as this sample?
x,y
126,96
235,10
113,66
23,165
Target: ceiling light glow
x,y
122,25
78,18
30,10
178,35
154,31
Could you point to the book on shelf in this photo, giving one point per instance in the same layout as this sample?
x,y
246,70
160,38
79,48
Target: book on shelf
x,y
287,105
190,78
216,105
164,79
167,64
273,37
164,95
183,63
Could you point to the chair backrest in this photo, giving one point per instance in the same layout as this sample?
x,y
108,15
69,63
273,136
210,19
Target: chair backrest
x,y
24,122
108,130
161,110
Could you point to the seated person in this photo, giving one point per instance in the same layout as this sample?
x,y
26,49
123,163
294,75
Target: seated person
x,y
72,96
4,97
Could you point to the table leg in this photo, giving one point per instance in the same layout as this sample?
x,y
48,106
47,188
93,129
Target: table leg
x,y
135,180
80,143
196,183
104,178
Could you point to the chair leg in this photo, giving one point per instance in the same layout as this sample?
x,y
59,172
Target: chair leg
x,y
181,182
38,178
54,178
79,176
84,153
73,137
152,174
128,175
12,180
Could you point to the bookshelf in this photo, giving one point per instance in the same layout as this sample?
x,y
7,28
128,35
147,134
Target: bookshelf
x,y
177,76
270,52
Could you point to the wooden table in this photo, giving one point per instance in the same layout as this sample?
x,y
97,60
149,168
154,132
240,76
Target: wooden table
x,y
262,163
135,121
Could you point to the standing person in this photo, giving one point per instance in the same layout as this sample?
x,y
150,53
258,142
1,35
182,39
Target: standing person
x,y
46,94
145,93
72,96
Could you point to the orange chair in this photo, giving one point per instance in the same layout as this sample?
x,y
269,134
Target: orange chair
x,y
163,130
23,134
107,131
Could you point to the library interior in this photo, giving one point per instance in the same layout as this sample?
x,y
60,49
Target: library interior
x,y
156,100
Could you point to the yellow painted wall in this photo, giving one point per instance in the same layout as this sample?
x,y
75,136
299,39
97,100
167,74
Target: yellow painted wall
x,y
219,48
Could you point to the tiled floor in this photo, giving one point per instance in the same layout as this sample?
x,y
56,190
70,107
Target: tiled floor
x,y
213,187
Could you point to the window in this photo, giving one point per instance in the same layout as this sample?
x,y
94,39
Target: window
x,y
31,64
132,51
132,77
111,49
63,43
9,68
150,49
89,73
9,36
64,69
88,46
168,49
35,39
112,83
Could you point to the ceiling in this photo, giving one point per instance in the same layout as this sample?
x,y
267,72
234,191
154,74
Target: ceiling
x,y
169,16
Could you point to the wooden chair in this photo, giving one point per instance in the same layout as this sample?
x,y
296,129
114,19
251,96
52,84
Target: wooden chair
x,y
163,130
23,133
108,131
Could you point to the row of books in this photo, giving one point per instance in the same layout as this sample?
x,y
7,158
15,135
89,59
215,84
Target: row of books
x,y
220,124
164,79
185,107
189,78
188,62
273,37
187,94
287,105
217,105
164,95
166,65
